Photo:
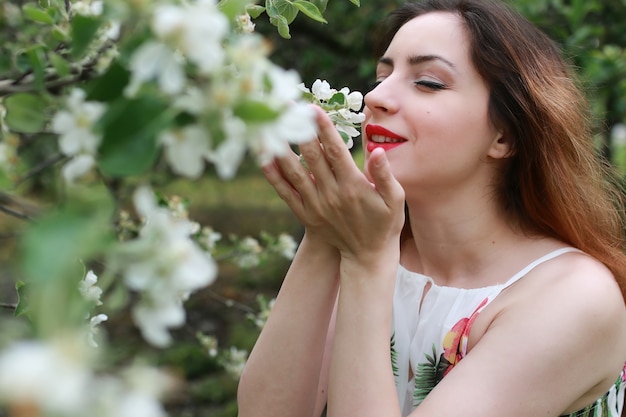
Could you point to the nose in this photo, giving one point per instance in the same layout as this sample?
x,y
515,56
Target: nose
x,y
381,98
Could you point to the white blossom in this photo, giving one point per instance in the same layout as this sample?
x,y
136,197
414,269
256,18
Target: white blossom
x,y
345,113
89,290
87,7
208,238
196,30
235,361
94,330
75,124
286,245
354,99
135,392
244,23
209,343
154,60
249,252
77,167
164,265
230,153
322,90
154,319
186,149
295,125
51,376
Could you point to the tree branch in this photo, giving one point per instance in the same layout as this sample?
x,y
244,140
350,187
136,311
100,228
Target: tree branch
x,y
15,208
14,213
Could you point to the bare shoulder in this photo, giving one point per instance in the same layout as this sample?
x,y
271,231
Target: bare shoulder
x,y
568,310
577,279
576,299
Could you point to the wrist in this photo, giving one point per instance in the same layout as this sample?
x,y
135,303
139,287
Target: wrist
x,y
374,275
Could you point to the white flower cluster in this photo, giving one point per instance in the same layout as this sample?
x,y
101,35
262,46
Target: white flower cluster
x,y
56,377
77,136
343,107
235,361
191,32
249,252
250,103
164,265
286,246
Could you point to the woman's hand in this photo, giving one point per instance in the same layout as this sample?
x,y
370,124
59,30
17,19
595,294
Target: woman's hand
x,y
335,201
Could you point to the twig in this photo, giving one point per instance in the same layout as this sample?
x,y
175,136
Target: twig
x,y
228,302
9,306
21,78
22,210
14,213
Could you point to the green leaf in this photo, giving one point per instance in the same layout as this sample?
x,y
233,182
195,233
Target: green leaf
x,y
60,34
320,4
283,26
37,58
36,14
255,111
338,99
129,145
25,112
52,253
22,299
84,29
60,65
110,85
284,8
255,10
233,8
310,10
356,2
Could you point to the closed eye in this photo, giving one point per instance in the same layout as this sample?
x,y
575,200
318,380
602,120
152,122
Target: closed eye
x,y
431,85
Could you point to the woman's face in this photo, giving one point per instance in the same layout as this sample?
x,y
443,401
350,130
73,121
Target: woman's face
x,y
429,111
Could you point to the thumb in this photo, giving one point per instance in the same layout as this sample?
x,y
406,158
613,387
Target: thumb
x,y
379,172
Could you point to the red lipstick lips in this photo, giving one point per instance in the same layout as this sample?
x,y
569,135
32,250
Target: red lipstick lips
x,y
379,137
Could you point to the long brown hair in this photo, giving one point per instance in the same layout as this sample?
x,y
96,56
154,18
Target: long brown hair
x,y
555,182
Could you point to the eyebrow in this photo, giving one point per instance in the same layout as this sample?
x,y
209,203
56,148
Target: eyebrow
x,y
418,59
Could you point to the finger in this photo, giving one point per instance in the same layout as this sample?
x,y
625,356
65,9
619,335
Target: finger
x,y
283,188
380,174
335,149
317,163
297,176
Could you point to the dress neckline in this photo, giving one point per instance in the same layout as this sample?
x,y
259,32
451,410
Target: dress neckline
x,y
517,276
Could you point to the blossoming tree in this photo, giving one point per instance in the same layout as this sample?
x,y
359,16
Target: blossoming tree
x,y
109,97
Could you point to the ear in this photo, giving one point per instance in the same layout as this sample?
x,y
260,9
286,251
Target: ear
x,y
501,146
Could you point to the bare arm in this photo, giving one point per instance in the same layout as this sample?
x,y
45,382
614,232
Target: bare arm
x,y
286,374
282,375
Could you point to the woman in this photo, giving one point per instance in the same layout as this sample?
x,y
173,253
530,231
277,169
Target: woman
x,y
480,254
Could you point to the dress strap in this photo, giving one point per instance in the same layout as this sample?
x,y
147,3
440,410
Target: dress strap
x,y
538,262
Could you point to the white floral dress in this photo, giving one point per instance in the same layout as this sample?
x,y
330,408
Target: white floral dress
x,y
433,338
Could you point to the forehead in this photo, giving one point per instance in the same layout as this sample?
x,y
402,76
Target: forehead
x,y
435,33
